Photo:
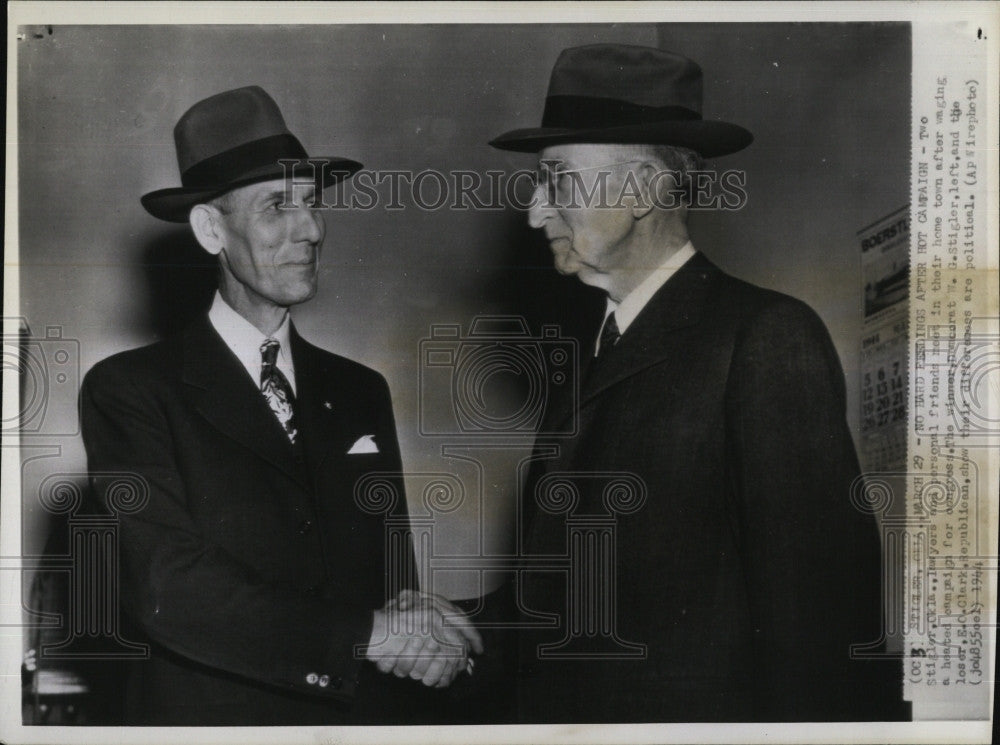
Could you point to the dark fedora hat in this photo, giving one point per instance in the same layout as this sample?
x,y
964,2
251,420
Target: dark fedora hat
x,y
234,139
615,93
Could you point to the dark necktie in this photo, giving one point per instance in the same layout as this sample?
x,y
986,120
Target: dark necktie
x,y
609,335
276,389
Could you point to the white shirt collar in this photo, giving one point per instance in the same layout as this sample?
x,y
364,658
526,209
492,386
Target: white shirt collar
x,y
632,304
245,339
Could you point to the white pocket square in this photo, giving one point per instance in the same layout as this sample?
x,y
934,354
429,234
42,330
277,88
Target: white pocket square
x,y
364,445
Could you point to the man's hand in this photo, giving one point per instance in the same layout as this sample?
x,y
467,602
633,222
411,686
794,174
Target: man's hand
x,y
453,617
424,637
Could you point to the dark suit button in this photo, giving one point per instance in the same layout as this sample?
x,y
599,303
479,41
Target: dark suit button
x,y
305,527
337,683
299,459
312,591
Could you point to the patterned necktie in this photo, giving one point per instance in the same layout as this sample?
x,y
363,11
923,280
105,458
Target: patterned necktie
x,y
276,389
609,335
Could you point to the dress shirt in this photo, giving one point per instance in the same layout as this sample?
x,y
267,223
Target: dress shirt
x,y
633,303
244,339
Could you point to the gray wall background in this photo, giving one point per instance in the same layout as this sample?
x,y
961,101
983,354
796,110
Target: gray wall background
x,y
828,104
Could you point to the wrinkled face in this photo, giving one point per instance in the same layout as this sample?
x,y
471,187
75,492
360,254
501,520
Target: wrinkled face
x,y
272,251
585,235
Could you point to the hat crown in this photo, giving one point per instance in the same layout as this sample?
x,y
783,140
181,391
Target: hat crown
x,y
642,76
225,121
234,139
619,93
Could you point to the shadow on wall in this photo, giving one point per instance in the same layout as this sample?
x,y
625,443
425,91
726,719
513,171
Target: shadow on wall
x,y
181,278
528,285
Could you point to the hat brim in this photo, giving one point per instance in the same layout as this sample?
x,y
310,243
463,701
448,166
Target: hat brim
x,y
709,138
174,204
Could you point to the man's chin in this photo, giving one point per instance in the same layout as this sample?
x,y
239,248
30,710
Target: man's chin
x,y
584,273
294,296
566,264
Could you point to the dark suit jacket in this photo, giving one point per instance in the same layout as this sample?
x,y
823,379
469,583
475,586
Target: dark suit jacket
x,y
747,573
251,571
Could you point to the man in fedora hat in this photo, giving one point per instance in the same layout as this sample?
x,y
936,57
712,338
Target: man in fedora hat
x,y
743,572
256,571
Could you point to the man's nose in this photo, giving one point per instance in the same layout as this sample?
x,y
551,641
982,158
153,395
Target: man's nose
x,y
540,208
309,225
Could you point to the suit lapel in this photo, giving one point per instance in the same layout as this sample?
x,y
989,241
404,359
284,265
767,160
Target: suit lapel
x,y
319,403
676,305
224,394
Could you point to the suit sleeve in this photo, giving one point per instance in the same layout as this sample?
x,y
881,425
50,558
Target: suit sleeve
x,y
812,559
406,568
187,593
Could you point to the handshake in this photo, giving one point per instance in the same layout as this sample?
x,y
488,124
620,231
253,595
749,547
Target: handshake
x,y
425,637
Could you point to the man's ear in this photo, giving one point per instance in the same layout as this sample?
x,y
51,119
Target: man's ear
x,y
646,180
207,226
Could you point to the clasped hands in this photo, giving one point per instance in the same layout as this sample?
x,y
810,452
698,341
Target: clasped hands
x,y
425,637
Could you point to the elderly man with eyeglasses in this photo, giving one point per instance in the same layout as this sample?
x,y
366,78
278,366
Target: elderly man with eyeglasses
x,y
745,584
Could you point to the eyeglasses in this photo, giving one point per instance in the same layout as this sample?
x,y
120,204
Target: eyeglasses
x,y
553,180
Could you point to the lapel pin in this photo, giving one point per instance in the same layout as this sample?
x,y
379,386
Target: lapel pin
x,y
327,405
